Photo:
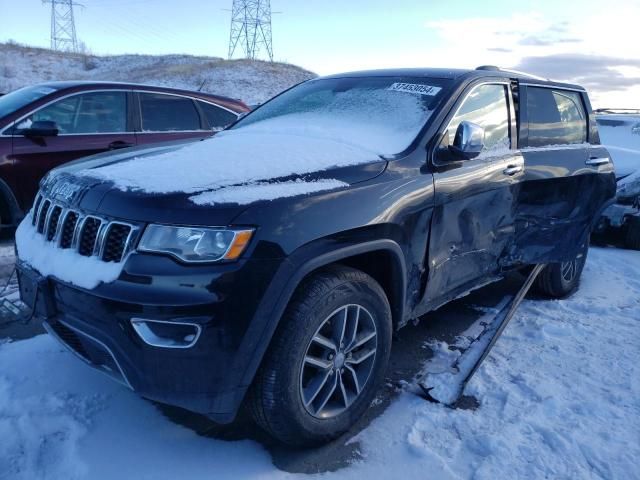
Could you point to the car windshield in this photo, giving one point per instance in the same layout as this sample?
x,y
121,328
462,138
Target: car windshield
x,y
381,114
17,99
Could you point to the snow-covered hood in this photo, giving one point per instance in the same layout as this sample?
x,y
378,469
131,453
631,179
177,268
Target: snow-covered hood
x,y
174,182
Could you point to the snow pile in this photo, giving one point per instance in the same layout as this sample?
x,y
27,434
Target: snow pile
x,y
253,81
559,398
65,264
446,372
233,157
246,194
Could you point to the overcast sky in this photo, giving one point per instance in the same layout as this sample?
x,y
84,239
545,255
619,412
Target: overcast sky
x,y
594,43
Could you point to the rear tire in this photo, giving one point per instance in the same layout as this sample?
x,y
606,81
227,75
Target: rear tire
x,y
558,280
632,235
327,359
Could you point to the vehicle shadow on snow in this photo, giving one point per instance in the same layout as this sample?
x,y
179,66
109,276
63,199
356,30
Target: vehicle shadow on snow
x,y
410,351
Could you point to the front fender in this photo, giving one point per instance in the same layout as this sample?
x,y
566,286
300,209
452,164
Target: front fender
x,y
292,271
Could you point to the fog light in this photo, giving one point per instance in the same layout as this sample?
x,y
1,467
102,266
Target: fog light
x,y
166,334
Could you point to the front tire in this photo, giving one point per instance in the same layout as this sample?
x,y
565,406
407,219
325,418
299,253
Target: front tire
x,y
558,280
327,359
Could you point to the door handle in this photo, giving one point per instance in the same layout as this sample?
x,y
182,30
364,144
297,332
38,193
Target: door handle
x,y
119,144
596,161
513,169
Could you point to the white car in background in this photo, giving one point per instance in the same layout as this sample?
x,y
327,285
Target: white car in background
x,y
620,132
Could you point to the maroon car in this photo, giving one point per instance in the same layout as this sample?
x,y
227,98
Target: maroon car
x,y
52,123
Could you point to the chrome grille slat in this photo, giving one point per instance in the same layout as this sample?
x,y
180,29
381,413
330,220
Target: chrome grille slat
x,y
42,215
89,235
53,222
36,209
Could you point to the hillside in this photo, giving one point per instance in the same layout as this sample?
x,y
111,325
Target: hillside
x,y
253,81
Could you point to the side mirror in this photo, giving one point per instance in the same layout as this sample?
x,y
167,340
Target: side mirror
x,y
468,141
41,128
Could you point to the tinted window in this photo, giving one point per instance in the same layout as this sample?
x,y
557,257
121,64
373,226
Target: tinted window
x,y
556,117
217,118
17,99
99,112
486,106
168,113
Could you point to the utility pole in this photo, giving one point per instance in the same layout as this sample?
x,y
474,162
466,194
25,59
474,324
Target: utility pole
x,y
63,26
251,28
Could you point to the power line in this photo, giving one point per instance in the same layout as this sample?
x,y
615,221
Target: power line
x,y
63,26
251,28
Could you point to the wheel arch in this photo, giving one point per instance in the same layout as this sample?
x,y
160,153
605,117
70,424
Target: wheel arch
x,y
9,207
279,298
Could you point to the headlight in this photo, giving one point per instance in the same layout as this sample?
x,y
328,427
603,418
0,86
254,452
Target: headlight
x,y
195,244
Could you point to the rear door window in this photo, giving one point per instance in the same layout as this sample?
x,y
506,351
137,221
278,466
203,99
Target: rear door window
x,y
168,113
556,117
217,117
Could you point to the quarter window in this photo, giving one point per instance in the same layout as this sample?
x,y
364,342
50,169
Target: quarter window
x,y
217,118
87,113
556,117
168,113
486,106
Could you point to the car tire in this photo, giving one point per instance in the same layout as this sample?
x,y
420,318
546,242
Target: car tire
x,y
632,234
310,389
558,280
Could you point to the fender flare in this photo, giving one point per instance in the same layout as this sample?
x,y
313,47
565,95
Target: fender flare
x,y
270,311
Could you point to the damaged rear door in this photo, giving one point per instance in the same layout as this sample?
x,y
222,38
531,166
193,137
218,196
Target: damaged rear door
x,y
563,188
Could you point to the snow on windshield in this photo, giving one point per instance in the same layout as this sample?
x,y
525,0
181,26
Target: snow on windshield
x,y
384,119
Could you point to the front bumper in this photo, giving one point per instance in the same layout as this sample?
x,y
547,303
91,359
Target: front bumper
x,y
210,377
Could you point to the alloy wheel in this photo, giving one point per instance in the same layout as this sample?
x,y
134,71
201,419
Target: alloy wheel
x,y
338,361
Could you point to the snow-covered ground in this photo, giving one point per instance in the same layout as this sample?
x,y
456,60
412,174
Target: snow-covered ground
x,y
250,80
559,398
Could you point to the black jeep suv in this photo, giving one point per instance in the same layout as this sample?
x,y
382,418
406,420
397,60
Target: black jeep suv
x,y
272,263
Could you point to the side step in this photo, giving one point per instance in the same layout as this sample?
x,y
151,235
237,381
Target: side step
x,y
447,388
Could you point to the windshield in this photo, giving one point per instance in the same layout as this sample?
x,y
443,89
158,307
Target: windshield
x,y
381,114
17,99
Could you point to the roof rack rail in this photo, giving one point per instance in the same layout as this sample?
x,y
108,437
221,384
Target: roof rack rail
x,y
493,68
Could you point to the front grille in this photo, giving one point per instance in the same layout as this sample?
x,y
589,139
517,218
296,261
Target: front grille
x,y
115,242
90,235
42,216
52,227
68,228
36,208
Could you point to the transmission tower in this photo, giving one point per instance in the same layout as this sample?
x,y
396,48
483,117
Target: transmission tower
x,y
251,28
63,26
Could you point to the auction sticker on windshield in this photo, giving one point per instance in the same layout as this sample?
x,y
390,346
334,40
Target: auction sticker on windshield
x,y
414,88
